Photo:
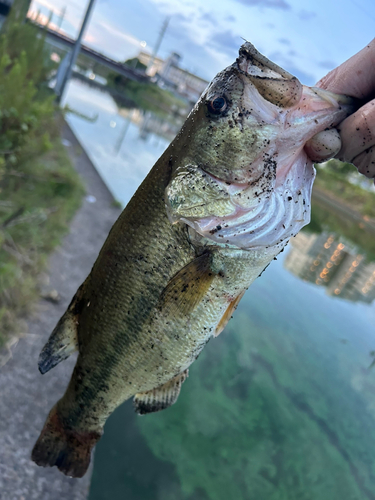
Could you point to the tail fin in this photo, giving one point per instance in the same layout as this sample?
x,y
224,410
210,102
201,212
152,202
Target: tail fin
x,y
69,450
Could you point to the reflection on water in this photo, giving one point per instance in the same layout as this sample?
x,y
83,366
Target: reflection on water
x,y
281,405
325,260
122,145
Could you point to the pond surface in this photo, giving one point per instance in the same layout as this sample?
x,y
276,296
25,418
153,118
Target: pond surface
x,y
281,405
123,147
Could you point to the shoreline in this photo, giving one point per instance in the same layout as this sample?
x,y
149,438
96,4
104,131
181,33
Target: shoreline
x,y
328,200
27,396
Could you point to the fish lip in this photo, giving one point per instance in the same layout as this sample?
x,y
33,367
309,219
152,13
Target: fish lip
x,y
274,84
251,53
248,51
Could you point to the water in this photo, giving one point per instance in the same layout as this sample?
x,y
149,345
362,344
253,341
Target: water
x,y
281,405
122,153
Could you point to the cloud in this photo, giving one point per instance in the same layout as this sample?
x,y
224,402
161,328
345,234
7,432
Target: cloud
x,y
306,15
44,19
327,64
199,37
107,38
209,18
227,42
73,15
186,36
305,78
289,65
179,17
272,4
284,41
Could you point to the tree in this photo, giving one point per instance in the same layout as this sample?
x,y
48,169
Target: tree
x,y
135,63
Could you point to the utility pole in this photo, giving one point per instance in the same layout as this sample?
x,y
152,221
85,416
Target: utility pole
x,y
158,43
61,17
59,88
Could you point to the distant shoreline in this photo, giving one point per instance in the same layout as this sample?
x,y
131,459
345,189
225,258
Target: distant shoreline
x,y
329,200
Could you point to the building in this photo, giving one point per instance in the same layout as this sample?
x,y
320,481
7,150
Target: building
x,y
169,75
355,280
328,261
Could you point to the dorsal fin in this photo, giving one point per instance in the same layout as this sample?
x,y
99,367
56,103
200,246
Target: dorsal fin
x,y
63,341
160,398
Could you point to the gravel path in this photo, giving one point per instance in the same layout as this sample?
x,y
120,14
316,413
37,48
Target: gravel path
x,y
25,395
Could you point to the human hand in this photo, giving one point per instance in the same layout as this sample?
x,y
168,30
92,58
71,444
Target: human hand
x,y
356,78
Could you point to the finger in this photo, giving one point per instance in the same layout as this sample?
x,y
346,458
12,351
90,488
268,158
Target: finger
x,y
323,146
365,163
355,77
357,132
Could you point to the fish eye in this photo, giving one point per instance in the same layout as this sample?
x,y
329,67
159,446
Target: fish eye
x,y
217,105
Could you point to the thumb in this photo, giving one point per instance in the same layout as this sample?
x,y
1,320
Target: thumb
x,y
323,146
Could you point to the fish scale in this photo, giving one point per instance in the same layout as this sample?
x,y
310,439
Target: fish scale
x,y
167,280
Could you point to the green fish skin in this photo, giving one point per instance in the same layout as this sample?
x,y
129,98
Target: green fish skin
x,y
217,207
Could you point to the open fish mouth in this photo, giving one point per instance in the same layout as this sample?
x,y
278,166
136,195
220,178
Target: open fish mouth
x,y
250,181
252,216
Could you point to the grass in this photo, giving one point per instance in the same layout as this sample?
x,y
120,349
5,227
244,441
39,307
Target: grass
x,y
323,218
38,199
335,183
146,96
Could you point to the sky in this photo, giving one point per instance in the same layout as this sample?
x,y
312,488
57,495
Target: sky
x,y
307,38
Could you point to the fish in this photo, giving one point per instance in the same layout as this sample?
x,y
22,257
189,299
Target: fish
x,y
218,206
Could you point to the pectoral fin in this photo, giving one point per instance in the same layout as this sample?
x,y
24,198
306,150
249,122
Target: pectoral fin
x,y
63,340
228,314
160,398
188,287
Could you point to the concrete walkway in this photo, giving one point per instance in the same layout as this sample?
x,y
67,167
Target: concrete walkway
x,y
26,396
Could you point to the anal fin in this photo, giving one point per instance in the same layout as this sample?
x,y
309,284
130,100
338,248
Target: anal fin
x,y
228,314
63,341
160,398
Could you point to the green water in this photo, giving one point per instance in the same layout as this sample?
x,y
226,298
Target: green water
x,y
281,405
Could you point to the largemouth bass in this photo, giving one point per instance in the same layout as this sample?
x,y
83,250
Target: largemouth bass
x,y
217,207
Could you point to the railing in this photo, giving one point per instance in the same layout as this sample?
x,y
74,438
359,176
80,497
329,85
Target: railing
x,y
121,68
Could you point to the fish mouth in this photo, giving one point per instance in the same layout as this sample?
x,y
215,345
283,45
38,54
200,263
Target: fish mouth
x,y
269,219
266,199
277,85
257,60
274,84
252,219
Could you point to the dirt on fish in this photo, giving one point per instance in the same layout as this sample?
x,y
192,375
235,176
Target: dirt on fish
x,y
213,212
